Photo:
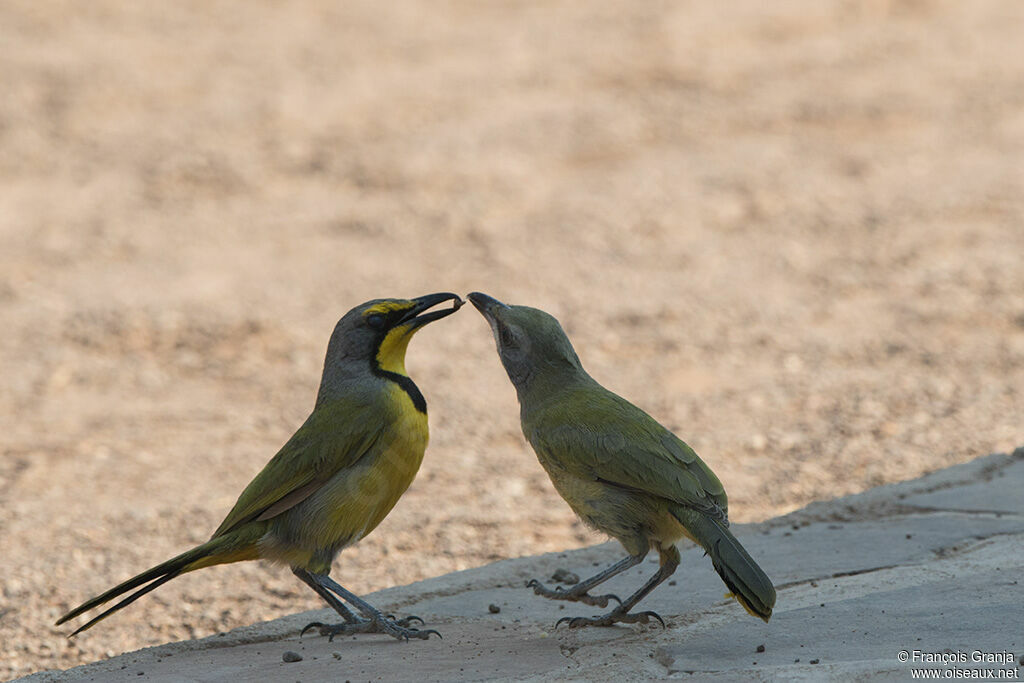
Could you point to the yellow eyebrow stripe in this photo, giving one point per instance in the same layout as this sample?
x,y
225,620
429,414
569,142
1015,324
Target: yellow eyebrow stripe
x,y
385,307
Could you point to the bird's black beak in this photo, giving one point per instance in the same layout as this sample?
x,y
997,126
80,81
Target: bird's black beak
x,y
485,304
415,316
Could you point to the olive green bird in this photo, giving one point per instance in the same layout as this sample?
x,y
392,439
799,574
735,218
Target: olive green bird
x,y
619,470
338,476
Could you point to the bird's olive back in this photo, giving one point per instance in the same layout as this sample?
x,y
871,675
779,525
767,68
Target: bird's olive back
x,y
532,345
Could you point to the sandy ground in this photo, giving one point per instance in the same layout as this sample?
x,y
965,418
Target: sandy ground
x,y
793,232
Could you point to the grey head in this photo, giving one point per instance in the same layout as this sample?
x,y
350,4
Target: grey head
x,y
372,337
531,343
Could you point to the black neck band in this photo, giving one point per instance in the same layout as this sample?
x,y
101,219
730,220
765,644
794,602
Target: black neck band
x,y
406,384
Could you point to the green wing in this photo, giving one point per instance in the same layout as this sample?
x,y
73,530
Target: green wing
x,y
333,437
596,434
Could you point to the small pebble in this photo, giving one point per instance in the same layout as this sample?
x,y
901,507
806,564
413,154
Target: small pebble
x,y
760,648
336,654
291,656
493,609
815,661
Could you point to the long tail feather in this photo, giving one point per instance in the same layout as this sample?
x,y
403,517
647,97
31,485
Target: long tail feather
x,y
200,556
746,581
124,603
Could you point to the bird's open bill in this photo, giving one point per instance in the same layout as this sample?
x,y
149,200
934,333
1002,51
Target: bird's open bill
x,y
418,315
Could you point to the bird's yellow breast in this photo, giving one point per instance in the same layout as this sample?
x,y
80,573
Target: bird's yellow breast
x,y
379,480
395,462
370,490
353,502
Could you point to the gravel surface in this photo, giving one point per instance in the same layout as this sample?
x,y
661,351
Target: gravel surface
x,y
793,232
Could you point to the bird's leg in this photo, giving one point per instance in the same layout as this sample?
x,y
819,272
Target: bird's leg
x,y
669,562
338,606
375,621
348,615
579,592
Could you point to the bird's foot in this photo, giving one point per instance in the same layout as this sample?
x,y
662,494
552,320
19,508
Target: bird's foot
x,y
404,622
573,595
396,628
613,617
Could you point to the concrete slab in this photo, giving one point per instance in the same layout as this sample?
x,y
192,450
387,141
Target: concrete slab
x,y
999,494
965,605
934,565
469,652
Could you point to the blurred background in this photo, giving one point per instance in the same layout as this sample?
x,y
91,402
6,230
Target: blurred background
x,y
792,231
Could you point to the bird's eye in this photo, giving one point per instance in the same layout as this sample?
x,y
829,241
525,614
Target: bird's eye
x,y
375,320
507,338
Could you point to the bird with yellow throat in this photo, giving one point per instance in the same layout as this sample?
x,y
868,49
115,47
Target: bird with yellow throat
x,y
337,477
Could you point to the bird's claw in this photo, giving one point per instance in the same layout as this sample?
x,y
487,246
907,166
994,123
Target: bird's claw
x,y
405,622
312,624
614,617
649,613
571,594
